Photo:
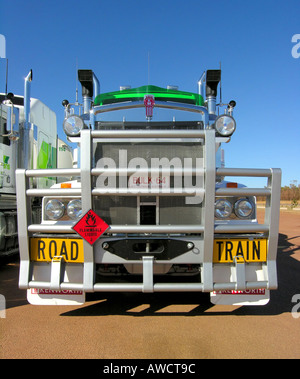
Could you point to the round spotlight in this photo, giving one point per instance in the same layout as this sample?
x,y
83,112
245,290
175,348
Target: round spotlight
x,y
223,208
72,125
225,125
54,209
74,209
243,208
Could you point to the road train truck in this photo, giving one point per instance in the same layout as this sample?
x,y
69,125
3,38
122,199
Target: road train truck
x,y
148,209
28,140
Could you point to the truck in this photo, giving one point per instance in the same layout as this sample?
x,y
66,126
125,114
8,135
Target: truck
x,y
28,139
147,208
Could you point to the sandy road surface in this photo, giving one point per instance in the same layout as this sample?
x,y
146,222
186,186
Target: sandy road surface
x,y
158,325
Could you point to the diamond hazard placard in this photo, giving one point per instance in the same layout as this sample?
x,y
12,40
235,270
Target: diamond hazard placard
x,y
90,227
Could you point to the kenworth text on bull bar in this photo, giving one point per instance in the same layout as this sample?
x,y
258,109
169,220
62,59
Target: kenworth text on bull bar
x,y
147,208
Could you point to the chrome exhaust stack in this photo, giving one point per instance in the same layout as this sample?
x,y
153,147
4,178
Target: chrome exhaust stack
x,y
201,82
27,88
96,84
26,132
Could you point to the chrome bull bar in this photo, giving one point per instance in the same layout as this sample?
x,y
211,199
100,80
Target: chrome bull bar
x,y
207,228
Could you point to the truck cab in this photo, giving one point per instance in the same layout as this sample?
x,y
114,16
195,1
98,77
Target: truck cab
x,y
148,208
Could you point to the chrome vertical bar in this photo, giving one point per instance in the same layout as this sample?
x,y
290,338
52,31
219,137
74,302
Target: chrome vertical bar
x,y
239,273
86,180
209,205
272,215
56,273
24,220
148,274
86,199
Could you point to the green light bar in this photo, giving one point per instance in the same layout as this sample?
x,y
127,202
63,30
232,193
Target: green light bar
x,y
137,94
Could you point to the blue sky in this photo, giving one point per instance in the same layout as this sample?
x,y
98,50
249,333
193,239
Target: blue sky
x,y
251,39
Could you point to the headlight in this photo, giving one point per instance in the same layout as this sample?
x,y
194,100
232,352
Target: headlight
x,y
225,125
72,125
223,208
54,209
243,208
74,209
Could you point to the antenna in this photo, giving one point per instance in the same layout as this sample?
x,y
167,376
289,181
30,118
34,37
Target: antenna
x,y
76,101
6,79
220,84
148,68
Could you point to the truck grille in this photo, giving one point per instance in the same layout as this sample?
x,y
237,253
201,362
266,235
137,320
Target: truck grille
x,y
160,209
